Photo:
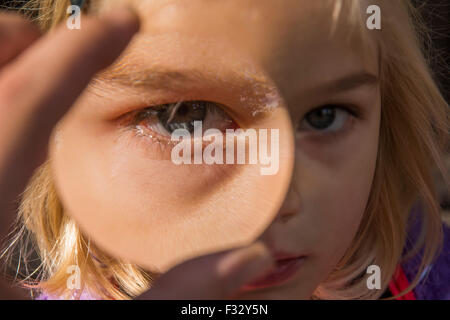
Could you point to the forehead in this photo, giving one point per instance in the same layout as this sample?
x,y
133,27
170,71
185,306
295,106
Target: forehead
x,y
244,22
289,39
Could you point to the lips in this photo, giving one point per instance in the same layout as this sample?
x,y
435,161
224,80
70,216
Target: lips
x,y
285,269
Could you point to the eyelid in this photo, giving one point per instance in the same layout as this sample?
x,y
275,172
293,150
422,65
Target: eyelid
x,y
305,128
213,109
153,143
353,109
350,108
326,138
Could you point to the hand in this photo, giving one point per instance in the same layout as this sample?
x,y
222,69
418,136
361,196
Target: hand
x,y
40,79
214,277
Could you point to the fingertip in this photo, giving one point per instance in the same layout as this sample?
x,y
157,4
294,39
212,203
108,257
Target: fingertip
x,y
260,249
125,18
246,262
103,38
244,265
260,257
257,251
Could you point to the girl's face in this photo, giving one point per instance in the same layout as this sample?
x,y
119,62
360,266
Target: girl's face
x,y
112,163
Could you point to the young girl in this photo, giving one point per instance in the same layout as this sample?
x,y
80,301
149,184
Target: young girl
x,y
369,122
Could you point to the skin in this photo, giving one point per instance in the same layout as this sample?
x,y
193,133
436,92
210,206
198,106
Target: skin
x,y
30,108
170,212
31,118
292,55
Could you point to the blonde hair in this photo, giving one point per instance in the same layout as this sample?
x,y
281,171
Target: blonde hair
x,y
413,138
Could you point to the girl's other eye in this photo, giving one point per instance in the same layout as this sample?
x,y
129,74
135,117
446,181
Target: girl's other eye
x,y
326,119
165,119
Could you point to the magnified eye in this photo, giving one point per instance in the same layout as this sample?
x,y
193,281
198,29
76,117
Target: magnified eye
x,y
327,119
167,118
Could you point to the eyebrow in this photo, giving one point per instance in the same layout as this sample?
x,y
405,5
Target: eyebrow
x,y
348,82
159,77
156,77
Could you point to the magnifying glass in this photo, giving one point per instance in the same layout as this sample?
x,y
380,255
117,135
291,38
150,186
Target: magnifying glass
x,y
129,192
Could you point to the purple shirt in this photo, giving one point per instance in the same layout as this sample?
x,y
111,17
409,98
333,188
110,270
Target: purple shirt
x,y
435,280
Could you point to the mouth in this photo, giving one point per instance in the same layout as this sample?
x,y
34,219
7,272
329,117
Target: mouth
x,y
285,269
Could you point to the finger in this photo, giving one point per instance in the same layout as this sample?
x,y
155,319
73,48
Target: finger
x,y
16,34
41,85
47,78
216,276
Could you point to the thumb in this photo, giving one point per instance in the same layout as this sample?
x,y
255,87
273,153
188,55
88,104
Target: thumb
x,y
215,276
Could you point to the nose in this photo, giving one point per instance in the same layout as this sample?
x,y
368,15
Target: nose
x,y
289,209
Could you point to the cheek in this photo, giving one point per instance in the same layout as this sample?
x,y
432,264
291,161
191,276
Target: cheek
x,y
335,185
153,212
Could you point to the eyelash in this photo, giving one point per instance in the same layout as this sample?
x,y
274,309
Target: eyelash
x,y
163,141
352,113
212,112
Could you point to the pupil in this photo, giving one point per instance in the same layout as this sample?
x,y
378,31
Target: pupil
x,y
183,110
183,117
322,118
